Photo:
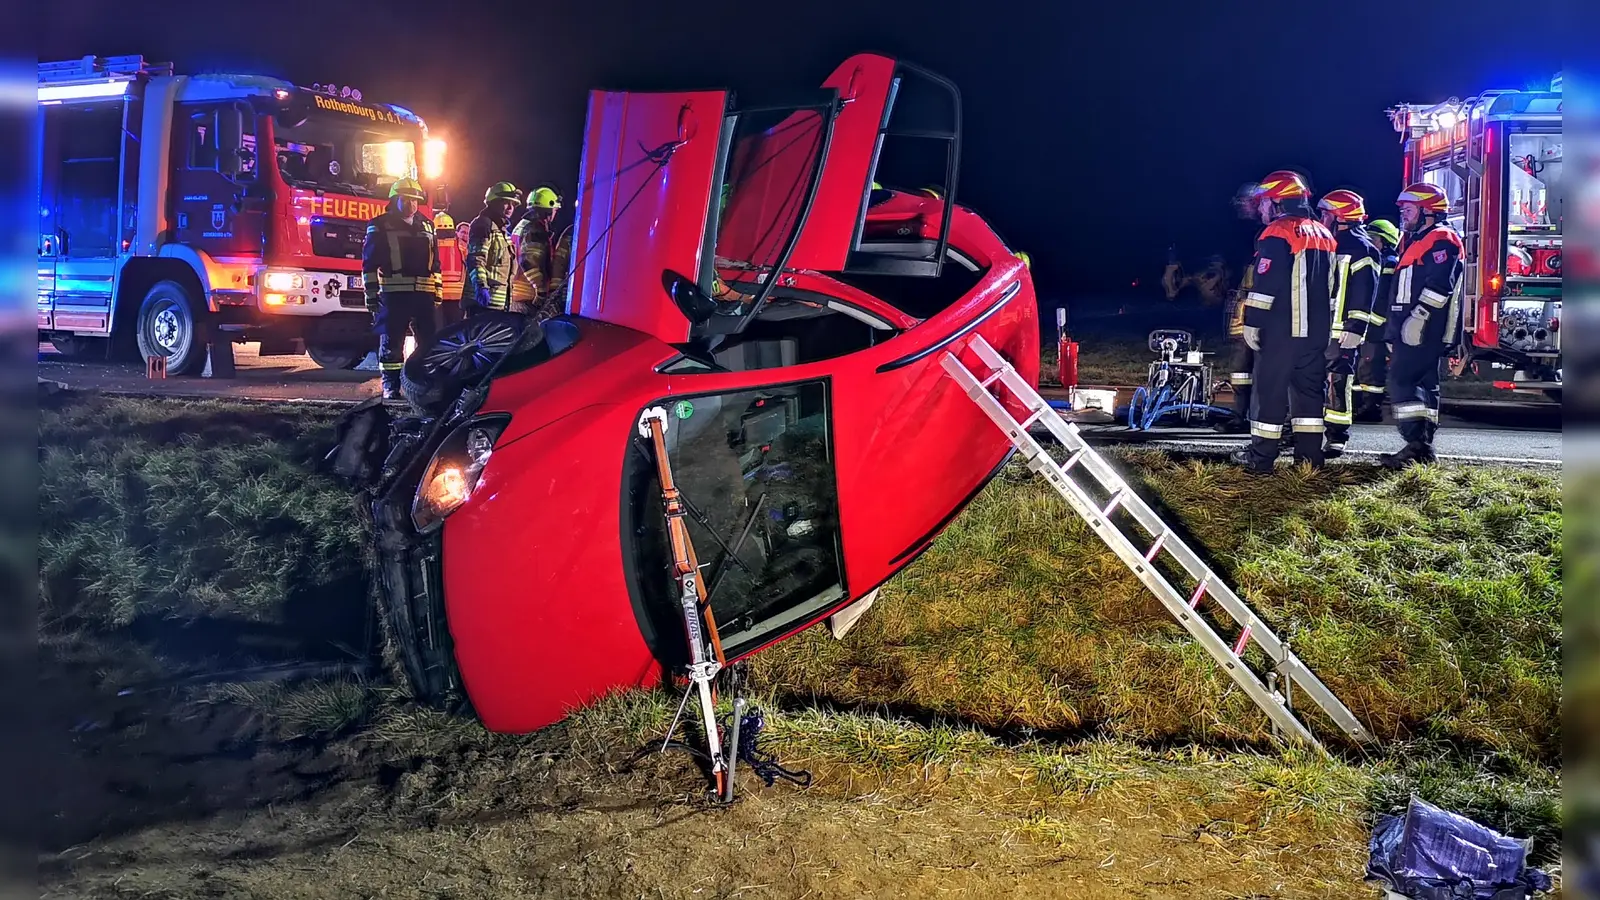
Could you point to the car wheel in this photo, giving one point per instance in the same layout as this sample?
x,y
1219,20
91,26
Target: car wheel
x,y
168,326
334,357
460,355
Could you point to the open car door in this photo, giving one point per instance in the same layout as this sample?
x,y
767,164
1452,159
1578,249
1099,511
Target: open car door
x,y
873,118
651,165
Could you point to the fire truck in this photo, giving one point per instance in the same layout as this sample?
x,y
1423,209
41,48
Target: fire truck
x,y
1498,158
178,212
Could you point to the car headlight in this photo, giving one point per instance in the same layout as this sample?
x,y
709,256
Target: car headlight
x,y
454,472
285,281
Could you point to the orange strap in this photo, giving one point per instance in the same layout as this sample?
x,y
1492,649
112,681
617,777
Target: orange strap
x,y
684,560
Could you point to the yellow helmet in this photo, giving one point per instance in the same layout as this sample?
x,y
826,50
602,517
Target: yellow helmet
x,y
502,190
933,192
408,188
443,220
543,198
1027,261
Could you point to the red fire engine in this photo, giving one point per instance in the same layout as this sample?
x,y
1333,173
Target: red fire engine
x,y
177,207
1498,158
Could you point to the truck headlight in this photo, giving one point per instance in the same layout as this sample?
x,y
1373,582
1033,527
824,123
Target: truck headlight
x,y
285,281
455,470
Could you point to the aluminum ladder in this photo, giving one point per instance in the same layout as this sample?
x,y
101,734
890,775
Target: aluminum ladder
x,y
1184,606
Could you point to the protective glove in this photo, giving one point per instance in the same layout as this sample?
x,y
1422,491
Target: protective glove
x,y
1252,337
1349,341
1411,331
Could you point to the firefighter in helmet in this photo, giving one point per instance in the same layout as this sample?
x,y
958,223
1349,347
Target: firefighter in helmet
x,y
1287,322
401,276
490,262
1372,369
1355,286
450,298
1425,320
542,258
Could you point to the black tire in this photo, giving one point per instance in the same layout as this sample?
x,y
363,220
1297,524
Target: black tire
x,y
335,357
169,325
462,354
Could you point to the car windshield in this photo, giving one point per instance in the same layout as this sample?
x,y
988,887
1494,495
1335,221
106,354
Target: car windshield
x,y
335,152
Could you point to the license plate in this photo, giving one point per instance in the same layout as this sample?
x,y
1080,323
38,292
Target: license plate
x,y
353,282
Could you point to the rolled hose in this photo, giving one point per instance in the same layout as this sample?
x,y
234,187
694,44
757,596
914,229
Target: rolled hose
x,y
1143,415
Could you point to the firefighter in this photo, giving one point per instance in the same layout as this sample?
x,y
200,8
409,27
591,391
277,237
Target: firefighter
x,y
1288,323
1355,287
542,259
449,300
1244,358
490,262
1372,369
401,276
1424,321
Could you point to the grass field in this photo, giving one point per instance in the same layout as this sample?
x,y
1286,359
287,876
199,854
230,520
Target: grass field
x,y
1012,718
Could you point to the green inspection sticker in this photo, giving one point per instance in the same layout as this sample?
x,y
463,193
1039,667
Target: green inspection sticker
x,y
683,410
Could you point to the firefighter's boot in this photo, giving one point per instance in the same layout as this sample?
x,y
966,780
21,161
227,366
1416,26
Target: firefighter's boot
x,y
1246,460
1369,412
1308,449
1414,453
391,386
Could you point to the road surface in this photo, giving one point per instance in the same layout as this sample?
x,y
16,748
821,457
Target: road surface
x,y
286,378
1471,430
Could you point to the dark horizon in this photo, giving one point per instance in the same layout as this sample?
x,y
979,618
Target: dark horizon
x,y
1094,139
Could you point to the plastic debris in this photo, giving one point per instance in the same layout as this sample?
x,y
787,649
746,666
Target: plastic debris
x,y
1433,854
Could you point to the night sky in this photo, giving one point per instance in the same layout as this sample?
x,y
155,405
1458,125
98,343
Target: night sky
x,y
1094,137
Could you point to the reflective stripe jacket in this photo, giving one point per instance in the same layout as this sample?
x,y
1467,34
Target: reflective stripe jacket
x,y
542,264
1293,283
1427,283
400,256
1355,281
1385,296
490,263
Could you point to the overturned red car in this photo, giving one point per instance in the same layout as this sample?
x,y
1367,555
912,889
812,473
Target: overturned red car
x,y
738,266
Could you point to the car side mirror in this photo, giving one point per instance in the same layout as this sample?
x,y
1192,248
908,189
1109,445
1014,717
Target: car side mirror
x,y
687,296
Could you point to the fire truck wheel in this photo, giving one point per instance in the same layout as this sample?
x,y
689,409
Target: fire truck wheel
x,y
461,354
168,327
334,357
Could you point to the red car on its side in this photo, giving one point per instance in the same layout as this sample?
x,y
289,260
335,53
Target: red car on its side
x,y
738,265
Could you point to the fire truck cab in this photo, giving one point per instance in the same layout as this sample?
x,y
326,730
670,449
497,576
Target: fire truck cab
x,y
181,210
1497,156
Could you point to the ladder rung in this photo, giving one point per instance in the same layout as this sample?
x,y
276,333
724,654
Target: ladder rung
x,y
1244,638
1073,459
1155,548
996,376
1037,414
1116,501
1199,591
